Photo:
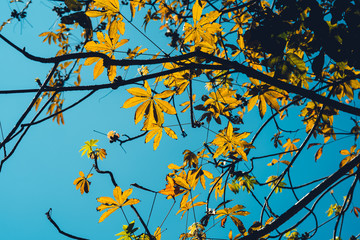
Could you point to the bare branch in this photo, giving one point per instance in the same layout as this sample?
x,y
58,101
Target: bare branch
x,y
48,214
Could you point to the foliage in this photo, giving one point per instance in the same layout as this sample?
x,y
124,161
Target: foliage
x,y
295,63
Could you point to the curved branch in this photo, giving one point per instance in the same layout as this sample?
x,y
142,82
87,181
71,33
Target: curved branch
x,y
13,131
304,201
104,172
63,110
224,64
312,208
29,107
48,214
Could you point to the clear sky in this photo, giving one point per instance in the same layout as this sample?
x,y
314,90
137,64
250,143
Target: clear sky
x,y
40,174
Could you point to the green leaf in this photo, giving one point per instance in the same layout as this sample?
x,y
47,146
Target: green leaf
x,y
128,232
296,61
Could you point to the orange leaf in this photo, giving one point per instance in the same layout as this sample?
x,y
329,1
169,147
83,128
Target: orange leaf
x,y
312,144
318,153
356,211
223,221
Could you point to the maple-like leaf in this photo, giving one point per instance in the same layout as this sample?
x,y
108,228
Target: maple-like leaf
x,y
87,148
223,100
229,141
236,210
83,183
199,174
108,8
111,205
350,155
107,46
204,28
152,106
99,153
262,94
155,131
334,208
171,190
290,145
273,180
187,205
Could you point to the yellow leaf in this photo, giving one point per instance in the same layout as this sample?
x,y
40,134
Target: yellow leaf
x,y
171,190
132,9
121,42
170,133
157,140
131,201
181,182
165,94
269,220
345,152
87,148
131,102
252,102
111,205
140,111
165,106
111,73
90,61
174,166
197,10
262,106
138,92
239,224
106,214
94,13
151,134
110,5
274,161
82,182
157,233
99,68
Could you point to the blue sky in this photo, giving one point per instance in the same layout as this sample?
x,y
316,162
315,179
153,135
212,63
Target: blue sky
x,y
40,174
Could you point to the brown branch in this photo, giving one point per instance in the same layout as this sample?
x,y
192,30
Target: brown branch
x,y
104,172
61,111
314,205
304,201
225,64
346,204
113,85
142,222
24,132
9,136
287,169
192,117
48,214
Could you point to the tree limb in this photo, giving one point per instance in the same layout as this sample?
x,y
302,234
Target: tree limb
x,y
48,214
304,201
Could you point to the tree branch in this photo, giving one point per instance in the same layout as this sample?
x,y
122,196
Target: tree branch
x,y
226,64
48,214
304,201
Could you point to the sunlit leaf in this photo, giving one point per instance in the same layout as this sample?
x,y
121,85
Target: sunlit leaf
x,y
111,205
83,183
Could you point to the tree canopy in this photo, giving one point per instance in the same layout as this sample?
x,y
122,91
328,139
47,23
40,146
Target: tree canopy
x,y
260,97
